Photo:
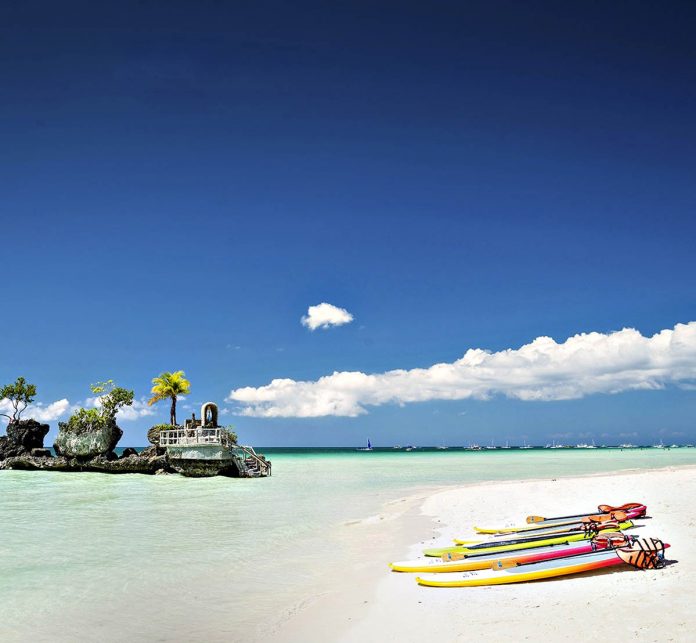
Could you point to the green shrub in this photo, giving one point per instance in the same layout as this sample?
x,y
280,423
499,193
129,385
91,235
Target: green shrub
x,y
85,421
112,399
229,435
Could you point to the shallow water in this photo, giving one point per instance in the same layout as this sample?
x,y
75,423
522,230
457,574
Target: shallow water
x,y
87,556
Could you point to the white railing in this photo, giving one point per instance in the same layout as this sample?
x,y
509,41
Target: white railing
x,y
190,437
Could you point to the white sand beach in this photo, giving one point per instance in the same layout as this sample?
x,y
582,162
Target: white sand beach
x,y
370,603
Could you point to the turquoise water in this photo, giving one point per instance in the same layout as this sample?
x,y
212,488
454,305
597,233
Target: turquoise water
x,y
86,555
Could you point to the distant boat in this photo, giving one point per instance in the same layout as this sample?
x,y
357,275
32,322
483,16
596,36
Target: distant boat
x,y
442,447
627,446
492,447
526,446
584,445
659,446
473,447
367,448
507,445
398,446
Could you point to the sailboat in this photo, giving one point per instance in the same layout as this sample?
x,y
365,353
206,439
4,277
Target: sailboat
x,y
367,448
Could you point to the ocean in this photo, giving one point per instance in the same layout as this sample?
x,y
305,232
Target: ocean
x,y
88,556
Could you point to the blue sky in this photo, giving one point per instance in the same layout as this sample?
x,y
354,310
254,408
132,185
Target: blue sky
x,y
180,181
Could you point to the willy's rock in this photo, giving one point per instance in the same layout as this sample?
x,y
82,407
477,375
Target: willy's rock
x,y
90,440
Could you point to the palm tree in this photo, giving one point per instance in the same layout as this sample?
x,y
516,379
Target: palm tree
x,y
168,386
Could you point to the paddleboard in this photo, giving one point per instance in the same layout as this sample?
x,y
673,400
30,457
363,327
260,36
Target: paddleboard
x,y
522,573
483,561
501,575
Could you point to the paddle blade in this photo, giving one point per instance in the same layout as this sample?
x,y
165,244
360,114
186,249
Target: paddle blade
x,y
503,563
533,519
452,555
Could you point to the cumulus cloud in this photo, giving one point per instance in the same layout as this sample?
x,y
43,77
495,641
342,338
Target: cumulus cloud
x,y
542,370
326,315
139,409
40,412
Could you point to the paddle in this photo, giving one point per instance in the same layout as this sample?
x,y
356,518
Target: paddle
x,y
566,525
452,555
504,563
596,518
602,508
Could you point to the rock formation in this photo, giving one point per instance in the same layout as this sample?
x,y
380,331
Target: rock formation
x,y
22,436
89,446
138,463
90,440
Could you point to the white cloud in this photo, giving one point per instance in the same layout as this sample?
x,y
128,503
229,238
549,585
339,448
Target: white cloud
x,y
139,409
543,370
50,412
38,411
326,315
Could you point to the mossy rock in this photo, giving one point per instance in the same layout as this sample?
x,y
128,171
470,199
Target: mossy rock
x,y
87,440
153,435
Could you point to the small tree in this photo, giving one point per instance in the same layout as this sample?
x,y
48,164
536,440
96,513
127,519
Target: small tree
x,y
20,394
168,386
111,399
229,435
